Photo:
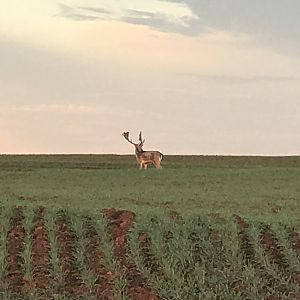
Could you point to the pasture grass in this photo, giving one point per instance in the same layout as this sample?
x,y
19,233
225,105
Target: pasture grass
x,y
263,188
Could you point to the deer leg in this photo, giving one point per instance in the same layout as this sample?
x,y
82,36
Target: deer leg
x,y
145,166
158,166
141,166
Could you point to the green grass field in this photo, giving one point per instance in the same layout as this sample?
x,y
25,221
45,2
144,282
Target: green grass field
x,y
249,186
97,227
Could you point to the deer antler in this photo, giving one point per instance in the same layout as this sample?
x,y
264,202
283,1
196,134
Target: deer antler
x,y
141,139
126,136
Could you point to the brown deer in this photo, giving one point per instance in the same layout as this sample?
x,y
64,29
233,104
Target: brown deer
x,y
144,158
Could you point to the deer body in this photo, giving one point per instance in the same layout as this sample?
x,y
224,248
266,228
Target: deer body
x,y
144,158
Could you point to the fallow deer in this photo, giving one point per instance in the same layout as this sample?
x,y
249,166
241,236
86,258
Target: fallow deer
x,y
144,158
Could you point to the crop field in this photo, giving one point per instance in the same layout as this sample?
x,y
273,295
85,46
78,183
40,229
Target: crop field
x,y
96,227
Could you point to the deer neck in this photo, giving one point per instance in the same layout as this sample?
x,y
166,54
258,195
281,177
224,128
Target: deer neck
x,y
138,152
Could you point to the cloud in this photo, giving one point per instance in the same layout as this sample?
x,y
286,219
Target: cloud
x,y
241,79
142,14
269,18
186,24
95,9
161,21
52,108
80,13
157,22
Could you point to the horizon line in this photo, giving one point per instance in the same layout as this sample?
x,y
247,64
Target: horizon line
x,y
170,154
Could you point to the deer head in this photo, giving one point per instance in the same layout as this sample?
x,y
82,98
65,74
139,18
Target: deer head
x,y
138,146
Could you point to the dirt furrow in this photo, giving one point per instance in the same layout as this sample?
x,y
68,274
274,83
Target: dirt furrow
x,y
14,249
149,260
94,261
119,223
41,254
295,241
245,244
72,285
271,246
248,253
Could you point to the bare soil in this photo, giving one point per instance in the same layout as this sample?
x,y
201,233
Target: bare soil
x,y
149,260
281,279
270,245
245,244
42,279
73,285
14,247
103,288
295,240
119,223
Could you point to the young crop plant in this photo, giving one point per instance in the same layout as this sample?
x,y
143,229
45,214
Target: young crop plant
x,y
292,262
276,285
120,285
152,273
56,273
241,278
5,216
209,253
183,277
76,223
119,281
274,250
156,229
4,227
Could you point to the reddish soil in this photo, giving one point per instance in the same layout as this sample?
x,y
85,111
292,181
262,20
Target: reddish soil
x,y
41,254
119,223
73,284
245,244
14,248
250,259
271,246
103,288
149,259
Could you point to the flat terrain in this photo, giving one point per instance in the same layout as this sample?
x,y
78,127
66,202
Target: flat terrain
x,y
96,227
250,186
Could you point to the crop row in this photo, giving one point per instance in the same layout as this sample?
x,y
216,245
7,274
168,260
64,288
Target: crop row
x,y
117,255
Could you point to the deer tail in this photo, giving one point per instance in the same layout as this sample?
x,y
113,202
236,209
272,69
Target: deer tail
x,y
161,156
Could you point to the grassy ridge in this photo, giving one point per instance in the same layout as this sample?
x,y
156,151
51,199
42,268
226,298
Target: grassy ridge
x,y
254,187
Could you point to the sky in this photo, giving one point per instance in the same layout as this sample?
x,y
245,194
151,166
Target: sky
x,y
211,77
